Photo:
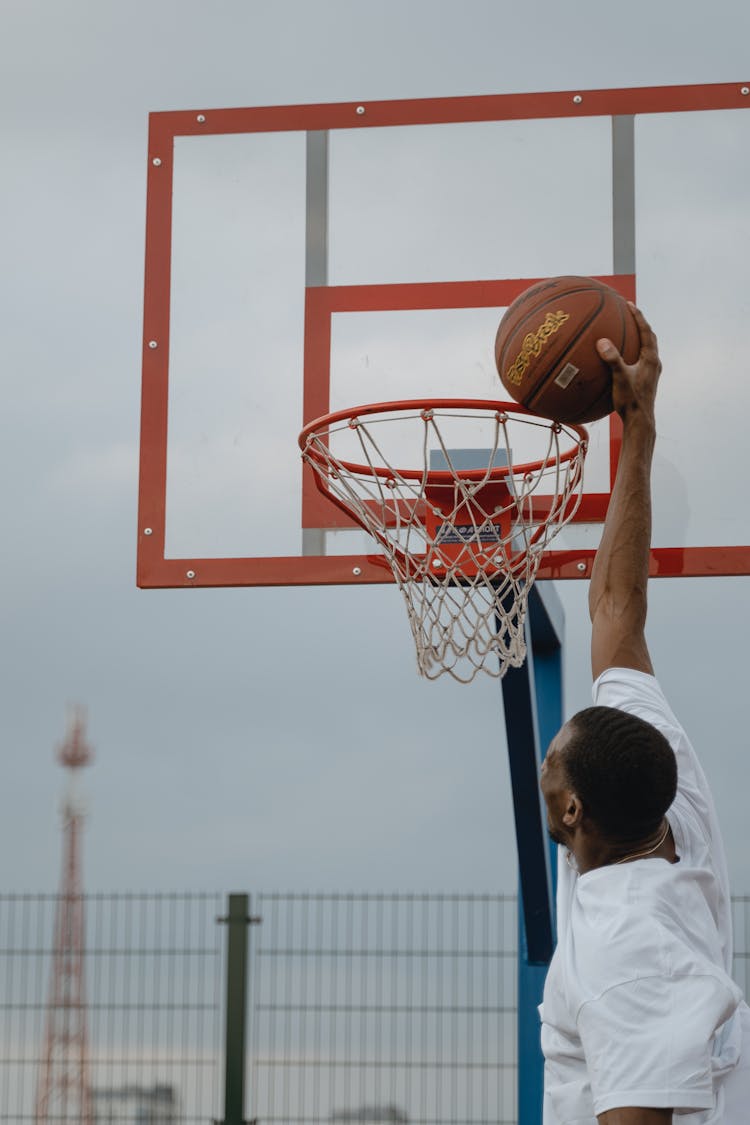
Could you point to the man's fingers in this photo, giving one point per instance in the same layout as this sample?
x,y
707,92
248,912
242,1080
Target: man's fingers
x,y
609,352
649,345
649,342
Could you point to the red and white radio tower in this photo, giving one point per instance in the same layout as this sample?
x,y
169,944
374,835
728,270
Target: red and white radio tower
x,y
63,1092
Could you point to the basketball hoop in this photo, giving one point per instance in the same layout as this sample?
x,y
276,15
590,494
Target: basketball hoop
x,y
464,528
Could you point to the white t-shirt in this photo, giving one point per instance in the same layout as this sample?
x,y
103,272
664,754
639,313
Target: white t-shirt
x,y
639,1006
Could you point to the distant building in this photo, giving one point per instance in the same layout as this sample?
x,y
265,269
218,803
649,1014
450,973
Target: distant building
x,y
370,1115
136,1105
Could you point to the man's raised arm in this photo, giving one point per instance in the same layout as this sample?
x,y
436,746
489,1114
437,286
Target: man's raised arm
x,y
617,596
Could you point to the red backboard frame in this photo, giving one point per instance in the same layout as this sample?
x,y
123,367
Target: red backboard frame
x,y
154,569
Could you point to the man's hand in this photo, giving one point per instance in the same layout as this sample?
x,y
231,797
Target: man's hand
x,y
634,386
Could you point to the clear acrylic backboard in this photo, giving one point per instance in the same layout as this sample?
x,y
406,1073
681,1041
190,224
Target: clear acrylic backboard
x,y
305,259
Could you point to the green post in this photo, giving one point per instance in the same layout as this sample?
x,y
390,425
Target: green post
x,y
238,920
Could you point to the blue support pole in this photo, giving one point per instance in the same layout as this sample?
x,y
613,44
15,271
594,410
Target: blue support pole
x,y
532,701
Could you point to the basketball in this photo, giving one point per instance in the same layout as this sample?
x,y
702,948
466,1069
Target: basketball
x,y
545,348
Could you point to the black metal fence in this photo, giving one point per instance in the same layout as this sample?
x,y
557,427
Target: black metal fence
x,y
362,1008
384,1007
153,1003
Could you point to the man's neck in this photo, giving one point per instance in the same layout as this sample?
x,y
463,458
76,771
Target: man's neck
x,y
592,850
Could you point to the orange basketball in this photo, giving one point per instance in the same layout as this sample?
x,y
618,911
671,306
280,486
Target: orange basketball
x,y
545,348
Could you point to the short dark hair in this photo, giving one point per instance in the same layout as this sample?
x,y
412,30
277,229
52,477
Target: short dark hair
x,y
623,770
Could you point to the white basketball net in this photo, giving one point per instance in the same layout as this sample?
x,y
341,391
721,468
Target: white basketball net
x,y
464,544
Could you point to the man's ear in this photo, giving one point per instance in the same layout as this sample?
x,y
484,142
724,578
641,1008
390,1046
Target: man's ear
x,y
573,814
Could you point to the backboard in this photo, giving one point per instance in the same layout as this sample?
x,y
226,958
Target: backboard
x,y
303,259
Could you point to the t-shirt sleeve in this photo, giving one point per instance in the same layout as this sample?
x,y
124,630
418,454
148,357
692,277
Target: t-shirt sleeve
x,y
693,816
640,694
648,1042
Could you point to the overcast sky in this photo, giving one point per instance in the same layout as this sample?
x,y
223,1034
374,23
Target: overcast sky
x,y
280,739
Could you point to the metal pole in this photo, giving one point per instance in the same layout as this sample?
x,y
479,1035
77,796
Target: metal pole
x,y
532,698
238,920
528,730
316,261
623,194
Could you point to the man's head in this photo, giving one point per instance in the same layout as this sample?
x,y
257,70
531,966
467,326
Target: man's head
x,y
610,773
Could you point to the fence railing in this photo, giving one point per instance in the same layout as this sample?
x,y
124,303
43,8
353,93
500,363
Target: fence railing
x,y
384,1004
153,1008
361,1007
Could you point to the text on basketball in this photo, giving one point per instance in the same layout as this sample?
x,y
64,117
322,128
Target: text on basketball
x,y
533,343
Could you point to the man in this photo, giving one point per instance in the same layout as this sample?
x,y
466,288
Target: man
x,y
641,1021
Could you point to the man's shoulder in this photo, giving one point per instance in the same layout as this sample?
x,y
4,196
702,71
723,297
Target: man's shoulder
x,y
649,918
618,687
639,694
